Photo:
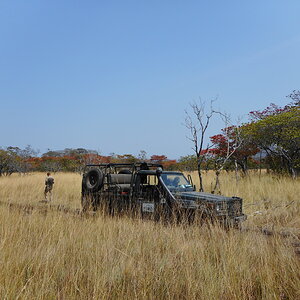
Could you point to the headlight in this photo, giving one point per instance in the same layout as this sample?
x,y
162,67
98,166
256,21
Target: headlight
x,y
221,206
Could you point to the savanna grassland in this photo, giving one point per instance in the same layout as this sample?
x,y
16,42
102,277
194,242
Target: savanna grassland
x,y
47,253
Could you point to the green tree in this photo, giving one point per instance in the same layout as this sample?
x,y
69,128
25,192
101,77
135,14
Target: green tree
x,y
279,135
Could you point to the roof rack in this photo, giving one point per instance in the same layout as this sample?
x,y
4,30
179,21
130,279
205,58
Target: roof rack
x,y
134,166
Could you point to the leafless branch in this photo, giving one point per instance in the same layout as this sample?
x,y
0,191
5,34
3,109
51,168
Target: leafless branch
x,y
232,145
197,126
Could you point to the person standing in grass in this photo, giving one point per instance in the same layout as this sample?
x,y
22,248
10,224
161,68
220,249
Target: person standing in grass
x,y
49,182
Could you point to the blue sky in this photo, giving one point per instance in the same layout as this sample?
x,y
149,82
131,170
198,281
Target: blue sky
x,y
117,76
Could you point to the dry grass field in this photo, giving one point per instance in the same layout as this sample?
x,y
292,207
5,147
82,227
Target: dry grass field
x,y
51,254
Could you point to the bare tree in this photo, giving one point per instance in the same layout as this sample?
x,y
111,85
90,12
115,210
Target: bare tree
x,y
142,156
197,124
232,145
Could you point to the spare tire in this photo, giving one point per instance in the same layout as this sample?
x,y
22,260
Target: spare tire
x,y
93,180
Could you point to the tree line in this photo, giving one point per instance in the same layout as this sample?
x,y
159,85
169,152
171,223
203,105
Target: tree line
x,y
269,140
17,160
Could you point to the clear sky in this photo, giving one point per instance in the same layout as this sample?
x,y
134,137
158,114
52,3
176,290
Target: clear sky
x,y
116,76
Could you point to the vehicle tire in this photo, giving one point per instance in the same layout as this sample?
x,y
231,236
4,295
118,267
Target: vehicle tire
x,y
93,181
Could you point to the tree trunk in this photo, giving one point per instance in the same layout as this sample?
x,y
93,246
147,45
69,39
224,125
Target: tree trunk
x,y
294,174
200,174
260,164
236,171
217,185
292,170
245,163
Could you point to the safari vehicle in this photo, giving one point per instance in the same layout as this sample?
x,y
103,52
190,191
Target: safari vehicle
x,y
147,190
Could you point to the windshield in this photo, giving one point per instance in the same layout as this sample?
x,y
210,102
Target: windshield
x,y
175,181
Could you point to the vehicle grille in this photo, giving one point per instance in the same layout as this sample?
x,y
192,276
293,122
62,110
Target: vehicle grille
x,y
235,207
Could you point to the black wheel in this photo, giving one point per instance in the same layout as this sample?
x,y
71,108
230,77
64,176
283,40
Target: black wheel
x,y
92,182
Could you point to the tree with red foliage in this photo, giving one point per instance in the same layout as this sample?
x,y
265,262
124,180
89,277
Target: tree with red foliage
x,y
169,164
273,109
126,158
164,161
92,158
158,158
226,144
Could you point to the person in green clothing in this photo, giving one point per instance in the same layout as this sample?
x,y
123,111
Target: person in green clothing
x,y
49,182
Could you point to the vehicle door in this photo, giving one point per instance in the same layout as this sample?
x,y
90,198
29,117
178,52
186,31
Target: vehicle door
x,y
146,194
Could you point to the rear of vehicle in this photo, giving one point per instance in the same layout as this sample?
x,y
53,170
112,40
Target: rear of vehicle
x,y
109,185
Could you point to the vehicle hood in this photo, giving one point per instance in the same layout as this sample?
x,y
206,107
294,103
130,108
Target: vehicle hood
x,y
192,195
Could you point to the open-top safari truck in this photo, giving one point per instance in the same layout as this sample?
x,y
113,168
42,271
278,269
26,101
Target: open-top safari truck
x,y
145,189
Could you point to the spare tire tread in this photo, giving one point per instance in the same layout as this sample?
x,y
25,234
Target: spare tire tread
x,y
93,180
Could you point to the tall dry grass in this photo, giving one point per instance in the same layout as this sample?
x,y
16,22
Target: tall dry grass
x,y
268,199
64,256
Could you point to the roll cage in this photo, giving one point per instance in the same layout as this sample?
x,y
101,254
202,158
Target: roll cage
x,y
115,167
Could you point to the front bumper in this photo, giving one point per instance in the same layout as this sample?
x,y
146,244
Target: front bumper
x,y
232,221
222,215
